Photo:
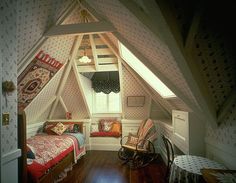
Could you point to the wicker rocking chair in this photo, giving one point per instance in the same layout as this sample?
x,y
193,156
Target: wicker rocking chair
x,y
138,150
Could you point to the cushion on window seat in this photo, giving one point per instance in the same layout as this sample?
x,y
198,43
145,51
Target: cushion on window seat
x,y
105,134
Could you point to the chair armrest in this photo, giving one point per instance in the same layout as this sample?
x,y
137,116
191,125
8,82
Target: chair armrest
x,y
122,139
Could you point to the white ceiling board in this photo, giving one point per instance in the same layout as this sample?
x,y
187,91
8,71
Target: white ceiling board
x,y
101,68
81,28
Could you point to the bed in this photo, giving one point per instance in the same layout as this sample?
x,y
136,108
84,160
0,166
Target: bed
x,y
47,156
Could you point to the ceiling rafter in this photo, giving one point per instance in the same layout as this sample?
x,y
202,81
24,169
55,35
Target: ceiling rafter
x,y
94,52
160,28
102,68
63,104
77,76
107,41
122,104
65,75
80,28
227,105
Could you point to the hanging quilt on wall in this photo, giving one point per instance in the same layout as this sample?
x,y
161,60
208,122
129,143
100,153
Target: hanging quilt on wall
x,y
35,76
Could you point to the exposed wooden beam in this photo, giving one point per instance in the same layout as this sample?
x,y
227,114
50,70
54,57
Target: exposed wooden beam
x,y
107,41
63,104
77,76
107,60
189,51
32,52
158,22
122,104
93,13
102,68
81,28
158,28
226,106
65,75
193,30
94,51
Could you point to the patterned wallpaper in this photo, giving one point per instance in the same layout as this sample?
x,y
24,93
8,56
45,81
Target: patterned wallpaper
x,y
132,88
59,112
226,132
140,37
73,98
33,19
44,116
58,47
156,111
74,17
9,69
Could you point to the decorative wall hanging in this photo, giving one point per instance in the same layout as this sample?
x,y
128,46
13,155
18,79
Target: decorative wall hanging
x,y
35,76
106,82
135,101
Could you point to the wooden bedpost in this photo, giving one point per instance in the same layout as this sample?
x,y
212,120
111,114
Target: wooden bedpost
x,y
22,163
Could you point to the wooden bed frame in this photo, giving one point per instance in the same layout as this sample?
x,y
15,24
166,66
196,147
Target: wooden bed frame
x,y
22,165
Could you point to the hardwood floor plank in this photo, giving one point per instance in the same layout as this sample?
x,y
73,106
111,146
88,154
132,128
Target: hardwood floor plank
x,y
106,167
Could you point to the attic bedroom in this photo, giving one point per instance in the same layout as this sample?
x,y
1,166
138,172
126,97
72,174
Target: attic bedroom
x,y
117,91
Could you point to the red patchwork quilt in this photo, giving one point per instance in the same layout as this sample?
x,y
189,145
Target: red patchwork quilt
x,y
49,150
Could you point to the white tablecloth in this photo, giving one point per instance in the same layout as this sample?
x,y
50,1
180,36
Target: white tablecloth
x,y
186,168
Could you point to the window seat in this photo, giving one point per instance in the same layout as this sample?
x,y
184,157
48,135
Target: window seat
x,y
105,134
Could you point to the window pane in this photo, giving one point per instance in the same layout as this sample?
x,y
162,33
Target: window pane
x,y
101,102
114,102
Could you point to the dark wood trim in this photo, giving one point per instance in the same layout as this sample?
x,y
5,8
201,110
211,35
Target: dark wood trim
x,y
22,164
57,169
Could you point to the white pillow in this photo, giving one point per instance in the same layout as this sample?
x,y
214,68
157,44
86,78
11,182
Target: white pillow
x,y
107,126
94,128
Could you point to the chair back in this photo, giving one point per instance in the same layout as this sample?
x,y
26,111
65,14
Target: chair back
x,y
169,153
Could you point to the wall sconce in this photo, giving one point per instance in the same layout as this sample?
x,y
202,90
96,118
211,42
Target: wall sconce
x,y
8,86
85,58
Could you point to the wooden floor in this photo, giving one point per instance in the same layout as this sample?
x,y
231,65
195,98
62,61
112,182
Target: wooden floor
x,y
105,167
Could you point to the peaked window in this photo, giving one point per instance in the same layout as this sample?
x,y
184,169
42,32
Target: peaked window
x,y
144,72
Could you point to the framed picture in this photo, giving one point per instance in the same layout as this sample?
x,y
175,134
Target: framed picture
x,y
135,101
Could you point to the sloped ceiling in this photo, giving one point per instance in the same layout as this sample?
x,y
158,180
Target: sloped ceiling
x,y
143,40
35,18
60,48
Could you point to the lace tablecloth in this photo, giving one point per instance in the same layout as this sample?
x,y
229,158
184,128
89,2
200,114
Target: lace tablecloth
x,y
186,168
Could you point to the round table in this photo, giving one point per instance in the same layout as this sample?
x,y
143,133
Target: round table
x,y
186,168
